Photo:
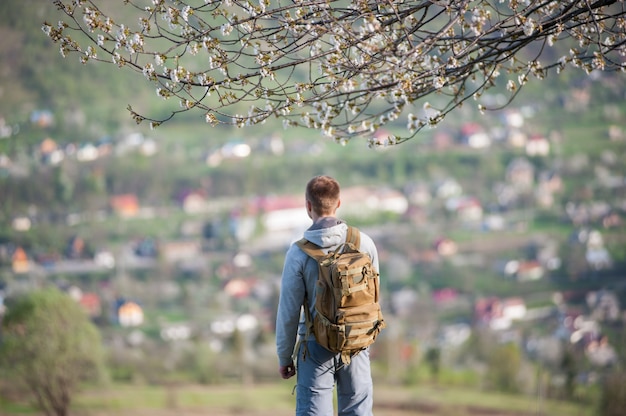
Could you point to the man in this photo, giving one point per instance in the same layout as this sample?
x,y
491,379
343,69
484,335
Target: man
x,y
317,368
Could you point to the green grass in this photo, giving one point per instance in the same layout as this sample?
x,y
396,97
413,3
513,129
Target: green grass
x,y
11,408
453,398
277,398
126,399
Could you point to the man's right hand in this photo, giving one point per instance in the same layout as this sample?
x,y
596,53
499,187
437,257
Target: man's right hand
x,y
287,371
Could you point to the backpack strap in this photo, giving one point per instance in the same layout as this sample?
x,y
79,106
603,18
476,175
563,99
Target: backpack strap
x,y
314,251
354,237
311,249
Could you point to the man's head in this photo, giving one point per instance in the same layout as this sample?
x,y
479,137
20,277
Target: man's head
x,y
322,196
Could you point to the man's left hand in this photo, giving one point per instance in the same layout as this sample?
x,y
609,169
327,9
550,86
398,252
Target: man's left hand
x,y
287,371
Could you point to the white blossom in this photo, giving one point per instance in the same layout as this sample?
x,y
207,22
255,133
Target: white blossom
x,y
529,27
148,70
510,85
185,13
226,29
439,82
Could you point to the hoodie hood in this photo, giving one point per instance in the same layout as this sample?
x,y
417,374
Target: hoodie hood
x,y
327,232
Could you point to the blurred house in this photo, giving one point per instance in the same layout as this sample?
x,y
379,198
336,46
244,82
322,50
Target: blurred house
x,y
516,138
596,254
551,180
175,251
612,220
494,222
499,314
176,332
87,152
454,335
529,270
92,304
5,164
19,261
104,258
193,202
5,129
130,314
604,305
537,145
466,208
42,118
445,247
403,302
448,188
513,118
520,173
578,99
367,200
442,139
280,213
598,258
506,194
75,248
124,205
474,135
601,353
239,288
445,296
234,149
544,197
147,247
616,133
50,152
21,223
418,193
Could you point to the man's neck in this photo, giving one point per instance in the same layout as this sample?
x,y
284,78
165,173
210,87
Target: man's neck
x,y
325,222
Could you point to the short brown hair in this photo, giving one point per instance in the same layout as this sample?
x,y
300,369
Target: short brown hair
x,y
323,194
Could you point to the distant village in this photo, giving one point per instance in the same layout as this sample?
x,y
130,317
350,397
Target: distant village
x,y
249,227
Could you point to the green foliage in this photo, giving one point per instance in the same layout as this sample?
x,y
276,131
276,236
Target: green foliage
x,y
201,363
613,401
504,364
433,359
569,368
49,347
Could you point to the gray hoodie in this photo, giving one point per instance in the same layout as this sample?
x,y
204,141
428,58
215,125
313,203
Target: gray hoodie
x,y
299,276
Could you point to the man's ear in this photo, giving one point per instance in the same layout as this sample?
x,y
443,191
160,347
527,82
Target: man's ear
x,y
309,208
338,203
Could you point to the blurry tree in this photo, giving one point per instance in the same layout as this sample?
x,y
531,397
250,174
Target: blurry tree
x,y
343,67
568,366
433,359
242,354
63,186
575,263
48,347
503,367
613,400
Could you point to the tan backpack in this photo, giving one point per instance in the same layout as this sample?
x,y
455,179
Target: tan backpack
x,y
348,317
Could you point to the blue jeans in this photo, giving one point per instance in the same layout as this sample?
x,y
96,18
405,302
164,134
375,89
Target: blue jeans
x,y
319,370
